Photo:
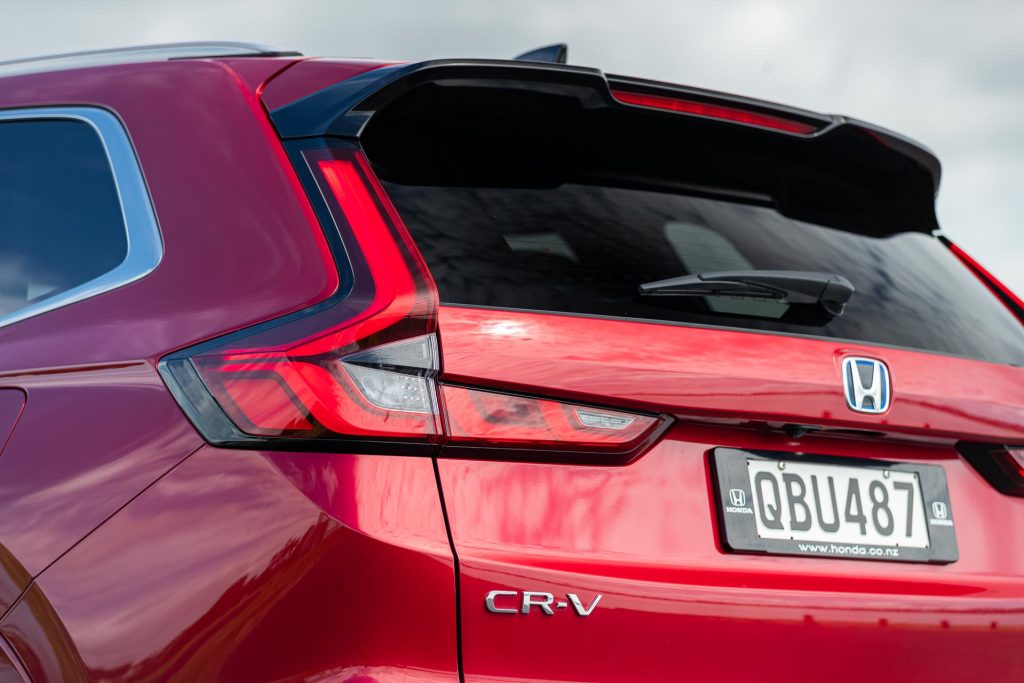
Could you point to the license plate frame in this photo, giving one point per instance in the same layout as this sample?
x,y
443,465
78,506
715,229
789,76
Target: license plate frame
x,y
738,527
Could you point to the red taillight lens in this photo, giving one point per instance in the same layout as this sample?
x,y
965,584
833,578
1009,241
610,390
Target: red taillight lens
x,y
385,391
363,366
1002,466
360,366
714,111
491,419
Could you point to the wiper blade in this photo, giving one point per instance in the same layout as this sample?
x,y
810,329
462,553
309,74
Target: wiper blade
x,y
827,290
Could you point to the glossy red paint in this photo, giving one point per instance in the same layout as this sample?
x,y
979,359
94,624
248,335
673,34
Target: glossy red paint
x,y
99,426
256,72
307,76
677,607
12,402
89,440
131,551
645,535
722,374
222,196
244,566
11,670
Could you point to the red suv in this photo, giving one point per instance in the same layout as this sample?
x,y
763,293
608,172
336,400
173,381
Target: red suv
x,y
488,370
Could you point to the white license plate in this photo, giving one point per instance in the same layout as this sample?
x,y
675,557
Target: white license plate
x,y
833,503
834,507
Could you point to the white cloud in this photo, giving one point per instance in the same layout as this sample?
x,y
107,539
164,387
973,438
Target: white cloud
x,y
950,74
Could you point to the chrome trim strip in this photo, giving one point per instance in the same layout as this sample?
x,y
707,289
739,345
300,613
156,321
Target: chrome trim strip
x,y
145,246
139,53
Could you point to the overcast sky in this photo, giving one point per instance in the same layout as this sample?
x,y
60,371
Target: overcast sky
x,y
949,74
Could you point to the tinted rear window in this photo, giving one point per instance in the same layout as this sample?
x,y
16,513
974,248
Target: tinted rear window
x,y
585,249
60,218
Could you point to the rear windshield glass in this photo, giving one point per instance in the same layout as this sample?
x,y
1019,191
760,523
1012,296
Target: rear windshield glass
x,y
585,249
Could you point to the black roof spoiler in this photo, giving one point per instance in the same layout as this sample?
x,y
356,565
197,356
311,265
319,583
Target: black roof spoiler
x,y
345,108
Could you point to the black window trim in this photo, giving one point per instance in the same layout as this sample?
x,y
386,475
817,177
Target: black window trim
x,y
145,245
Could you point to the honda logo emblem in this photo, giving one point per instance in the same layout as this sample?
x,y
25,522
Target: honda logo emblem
x,y
939,510
738,497
866,385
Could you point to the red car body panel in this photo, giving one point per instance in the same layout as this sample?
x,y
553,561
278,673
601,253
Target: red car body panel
x,y
227,142
12,402
722,374
310,75
676,605
130,550
645,536
244,566
60,484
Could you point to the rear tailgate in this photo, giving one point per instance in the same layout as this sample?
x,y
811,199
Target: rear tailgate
x,y
541,202
677,604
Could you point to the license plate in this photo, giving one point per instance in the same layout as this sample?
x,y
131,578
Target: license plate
x,y
834,507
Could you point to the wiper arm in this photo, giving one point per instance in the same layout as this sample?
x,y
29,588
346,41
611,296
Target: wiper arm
x,y
828,290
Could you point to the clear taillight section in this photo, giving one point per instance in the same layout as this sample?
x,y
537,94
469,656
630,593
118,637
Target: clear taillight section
x,y
1016,456
361,369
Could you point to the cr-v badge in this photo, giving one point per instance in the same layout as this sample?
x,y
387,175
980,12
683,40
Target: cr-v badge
x,y
510,602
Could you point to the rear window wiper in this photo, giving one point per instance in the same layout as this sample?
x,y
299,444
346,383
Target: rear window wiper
x,y
827,290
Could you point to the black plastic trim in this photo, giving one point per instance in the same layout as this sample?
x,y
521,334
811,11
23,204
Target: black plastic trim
x,y
343,109
991,462
556,54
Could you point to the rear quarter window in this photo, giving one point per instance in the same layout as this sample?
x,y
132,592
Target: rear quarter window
x,y
75,215
60,219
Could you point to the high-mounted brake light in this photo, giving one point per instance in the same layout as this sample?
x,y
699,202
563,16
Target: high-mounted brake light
x,y
361,369
714,111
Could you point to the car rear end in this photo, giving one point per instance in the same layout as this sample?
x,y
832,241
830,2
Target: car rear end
x,y
665,485
515,371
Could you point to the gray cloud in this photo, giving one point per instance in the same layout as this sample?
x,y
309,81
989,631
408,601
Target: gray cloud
x,y
948,73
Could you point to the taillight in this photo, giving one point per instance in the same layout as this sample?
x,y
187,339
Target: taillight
x,y
1016,460
1002,466
385,391
715,111
478,419
361,369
